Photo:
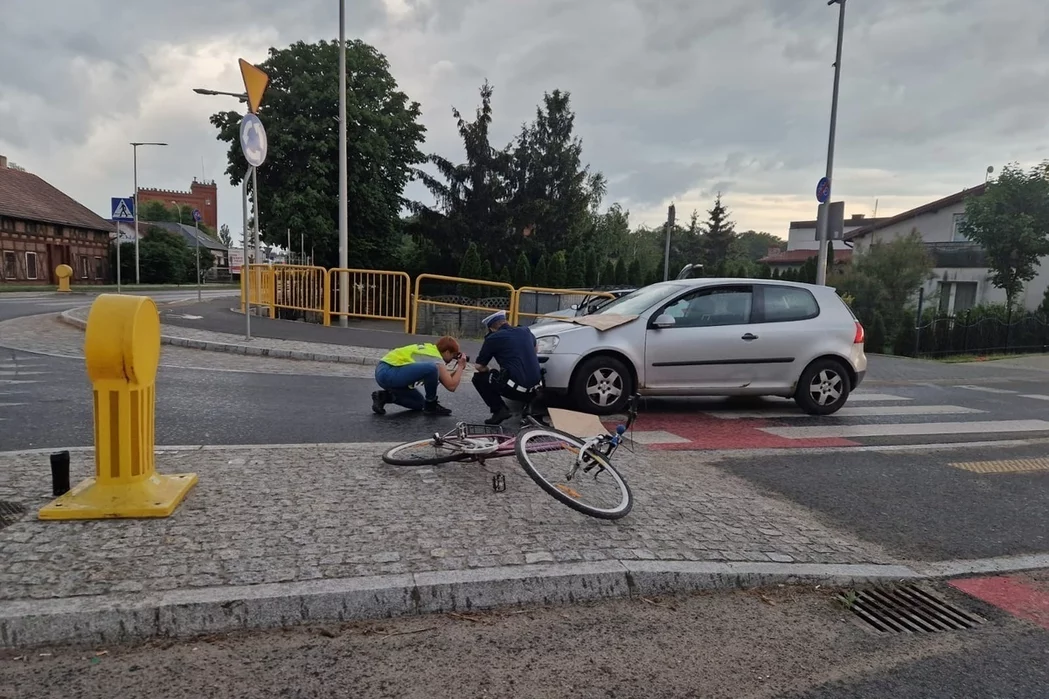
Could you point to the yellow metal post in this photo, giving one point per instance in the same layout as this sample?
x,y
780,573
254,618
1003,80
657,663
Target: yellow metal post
x,y
63,272
122,352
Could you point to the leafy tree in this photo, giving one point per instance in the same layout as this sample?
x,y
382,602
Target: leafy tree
x,y
590,272
224,236
471,267
719,234
621,274
608,274
886,277
558,271
875,334
1043,308
1011,221
298,187
635,273
157,211
487,273
522,271
764,271
504,275
541,276
754,245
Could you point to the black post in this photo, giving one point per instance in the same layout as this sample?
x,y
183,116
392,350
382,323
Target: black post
x,y
60,473
918,321
1008,326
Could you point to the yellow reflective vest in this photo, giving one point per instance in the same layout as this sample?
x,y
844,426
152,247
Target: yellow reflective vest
x,y
406,355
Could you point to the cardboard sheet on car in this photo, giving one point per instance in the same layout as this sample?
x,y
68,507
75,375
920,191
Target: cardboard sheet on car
x,y
602,321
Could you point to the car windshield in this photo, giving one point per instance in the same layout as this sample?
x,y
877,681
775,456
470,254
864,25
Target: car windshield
x,y
637,302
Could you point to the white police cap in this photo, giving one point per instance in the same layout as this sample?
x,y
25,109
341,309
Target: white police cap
x,y
498,315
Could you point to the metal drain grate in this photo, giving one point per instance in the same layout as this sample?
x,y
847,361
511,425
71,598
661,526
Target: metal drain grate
x,y
907,609
10,512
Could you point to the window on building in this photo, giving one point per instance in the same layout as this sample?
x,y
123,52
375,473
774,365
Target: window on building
x,y
85,267
30,265
10,267
956,229
956,297
100,269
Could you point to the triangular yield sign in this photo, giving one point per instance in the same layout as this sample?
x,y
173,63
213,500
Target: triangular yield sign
x,y
255,83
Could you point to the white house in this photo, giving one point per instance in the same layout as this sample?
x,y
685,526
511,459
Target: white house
x,y
802,244
961,277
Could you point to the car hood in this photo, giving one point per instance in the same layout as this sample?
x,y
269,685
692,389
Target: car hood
x,y
558,327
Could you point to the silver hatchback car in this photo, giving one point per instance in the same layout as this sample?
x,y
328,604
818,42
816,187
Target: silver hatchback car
x,y
710,337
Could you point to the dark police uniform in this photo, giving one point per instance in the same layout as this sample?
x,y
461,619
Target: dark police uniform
x,y
519,373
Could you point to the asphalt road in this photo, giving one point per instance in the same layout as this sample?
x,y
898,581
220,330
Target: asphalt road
x,y
45,402
18,304
786,642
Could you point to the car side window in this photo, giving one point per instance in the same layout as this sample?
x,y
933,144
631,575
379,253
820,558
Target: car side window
x,y
789,303
712,307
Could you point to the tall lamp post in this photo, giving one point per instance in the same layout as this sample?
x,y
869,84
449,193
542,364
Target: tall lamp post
x,y
134,148
823,221
344,251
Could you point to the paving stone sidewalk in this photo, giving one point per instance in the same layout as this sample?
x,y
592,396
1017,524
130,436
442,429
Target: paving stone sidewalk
x,y
310,513
48,335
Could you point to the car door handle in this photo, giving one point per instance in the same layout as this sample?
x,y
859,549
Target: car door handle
x,y
750,336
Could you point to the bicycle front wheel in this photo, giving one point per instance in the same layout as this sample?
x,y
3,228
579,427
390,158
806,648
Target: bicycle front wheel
x,y
425,452
592,487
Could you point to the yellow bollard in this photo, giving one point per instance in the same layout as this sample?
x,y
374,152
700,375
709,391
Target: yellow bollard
x,y
63,272
122,352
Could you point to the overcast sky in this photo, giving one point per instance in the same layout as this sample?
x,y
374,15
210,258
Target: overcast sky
x,y
674,99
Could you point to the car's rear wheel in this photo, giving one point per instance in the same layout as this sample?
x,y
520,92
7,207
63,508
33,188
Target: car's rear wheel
x,y
602,385
824,387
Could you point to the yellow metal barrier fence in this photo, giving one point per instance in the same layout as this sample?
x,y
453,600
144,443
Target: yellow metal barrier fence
x,y
374,294
516,311
261,278
446,304
299,287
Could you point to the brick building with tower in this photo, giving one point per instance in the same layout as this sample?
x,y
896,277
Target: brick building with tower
x,y
201,195
41,228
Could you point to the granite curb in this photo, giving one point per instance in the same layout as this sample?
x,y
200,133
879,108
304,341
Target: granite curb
x,y
69,318
188,612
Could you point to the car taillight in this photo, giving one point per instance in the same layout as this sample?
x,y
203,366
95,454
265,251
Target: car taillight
x,y
858,339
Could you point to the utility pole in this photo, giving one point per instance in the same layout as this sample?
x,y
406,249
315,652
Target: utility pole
x,y
344,250
823,221
671,214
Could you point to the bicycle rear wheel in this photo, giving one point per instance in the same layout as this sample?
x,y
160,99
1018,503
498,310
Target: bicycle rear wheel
x,y
596,489
425,452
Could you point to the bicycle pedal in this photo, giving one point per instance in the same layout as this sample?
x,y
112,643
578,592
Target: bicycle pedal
x,y
499,483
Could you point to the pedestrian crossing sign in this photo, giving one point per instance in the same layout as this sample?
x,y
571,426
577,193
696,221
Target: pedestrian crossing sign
x,y
123,209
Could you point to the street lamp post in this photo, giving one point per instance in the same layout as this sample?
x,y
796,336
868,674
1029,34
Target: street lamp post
x,y
823,221
344,253
134,148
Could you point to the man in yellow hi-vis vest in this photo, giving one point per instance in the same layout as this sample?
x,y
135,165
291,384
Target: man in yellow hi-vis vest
x,y
404,368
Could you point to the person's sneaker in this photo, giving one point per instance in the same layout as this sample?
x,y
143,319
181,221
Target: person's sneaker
x,y
435,408
379,400
499,418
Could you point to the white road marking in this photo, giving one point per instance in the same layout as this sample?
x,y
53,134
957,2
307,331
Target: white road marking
x,y
657,437
1036,396
873,397
11,405
13,381
863,411
988,389
22,373
910,429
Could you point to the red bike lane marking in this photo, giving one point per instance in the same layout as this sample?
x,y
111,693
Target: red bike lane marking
x,y
1011,594
708,432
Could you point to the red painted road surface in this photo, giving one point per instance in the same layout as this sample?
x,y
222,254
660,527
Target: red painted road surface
x,y
708,432
1020,597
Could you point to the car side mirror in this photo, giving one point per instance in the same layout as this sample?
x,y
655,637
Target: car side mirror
x,y
575,306
664,321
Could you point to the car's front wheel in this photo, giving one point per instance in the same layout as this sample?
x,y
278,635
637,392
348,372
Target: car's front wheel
x,y
823,388
602,385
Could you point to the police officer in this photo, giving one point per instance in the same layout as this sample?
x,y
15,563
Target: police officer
x,y
514,348
400,371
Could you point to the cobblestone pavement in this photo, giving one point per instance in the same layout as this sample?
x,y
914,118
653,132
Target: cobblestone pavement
x,y
303,513
47,334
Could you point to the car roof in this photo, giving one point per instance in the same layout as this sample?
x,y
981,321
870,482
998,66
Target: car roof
x,y
708,281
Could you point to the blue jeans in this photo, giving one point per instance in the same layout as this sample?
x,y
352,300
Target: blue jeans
x,y
398,381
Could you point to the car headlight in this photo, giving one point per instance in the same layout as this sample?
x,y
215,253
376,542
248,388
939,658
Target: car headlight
x,y
546,345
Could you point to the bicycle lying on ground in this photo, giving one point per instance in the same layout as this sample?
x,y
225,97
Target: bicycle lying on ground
x,y
577,464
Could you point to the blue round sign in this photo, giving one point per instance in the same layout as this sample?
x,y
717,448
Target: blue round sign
x,y
823,190
253,140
